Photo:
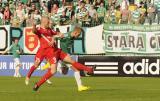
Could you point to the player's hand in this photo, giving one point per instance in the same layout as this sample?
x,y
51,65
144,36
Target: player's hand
x,y
61,35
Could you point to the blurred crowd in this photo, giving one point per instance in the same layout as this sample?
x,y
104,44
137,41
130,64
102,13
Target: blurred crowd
x,y
21,13
133,12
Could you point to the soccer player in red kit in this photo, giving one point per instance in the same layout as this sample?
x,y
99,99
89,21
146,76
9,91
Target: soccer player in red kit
x,y
48,50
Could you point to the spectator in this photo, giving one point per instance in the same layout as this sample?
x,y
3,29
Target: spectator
x,y
151,14
56,2
55,19
71,14
128,13
32,9
82,13
36,2
54,16
118,15
87,5
124,4
114,3
158,12
51,3
109,3
43,9
101,12
132,7
93,14
20,13
97,3
54,9
61,9
29,20
12,6
15,20
143,13
37,17
111,15
64,20
78,6
68,2
7,15
125,16
135,16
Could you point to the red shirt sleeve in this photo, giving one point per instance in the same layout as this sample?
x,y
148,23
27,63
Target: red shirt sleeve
x,y
53,32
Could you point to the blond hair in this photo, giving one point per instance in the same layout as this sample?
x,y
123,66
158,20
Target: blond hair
x,y
77,29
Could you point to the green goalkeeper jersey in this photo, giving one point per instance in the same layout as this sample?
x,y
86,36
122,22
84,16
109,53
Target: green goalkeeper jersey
x,y
66,43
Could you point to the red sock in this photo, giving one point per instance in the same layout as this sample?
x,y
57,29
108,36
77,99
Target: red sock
x,y
44,78
82,67
31,71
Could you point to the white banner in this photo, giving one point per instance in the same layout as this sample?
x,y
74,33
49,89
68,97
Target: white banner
x,y
93,40
132,41
5,38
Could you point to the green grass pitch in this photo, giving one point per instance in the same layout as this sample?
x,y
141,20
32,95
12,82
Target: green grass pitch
x,y
65,89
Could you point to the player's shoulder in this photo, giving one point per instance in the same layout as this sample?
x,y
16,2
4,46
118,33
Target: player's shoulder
x,y
53,31
39,28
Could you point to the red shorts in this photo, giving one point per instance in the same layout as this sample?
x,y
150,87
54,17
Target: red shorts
x,y
60,55
46,53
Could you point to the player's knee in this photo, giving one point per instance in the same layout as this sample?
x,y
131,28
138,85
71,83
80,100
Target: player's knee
x,y
53,71
36,64
53,68
72,61
69,60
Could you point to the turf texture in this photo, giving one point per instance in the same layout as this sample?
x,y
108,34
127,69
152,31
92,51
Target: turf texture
x,y
65,89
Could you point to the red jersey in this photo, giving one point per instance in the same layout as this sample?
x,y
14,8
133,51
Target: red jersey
x,y
48,33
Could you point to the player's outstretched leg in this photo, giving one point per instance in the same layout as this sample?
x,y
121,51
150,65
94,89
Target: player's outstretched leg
x,y
47,66
82,67
45,77
32,69
79,82
78,65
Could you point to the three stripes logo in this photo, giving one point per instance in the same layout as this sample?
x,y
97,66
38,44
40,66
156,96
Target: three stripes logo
x,y
103,68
